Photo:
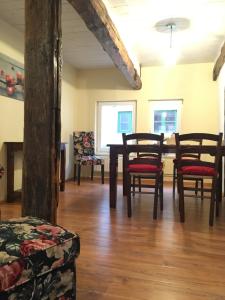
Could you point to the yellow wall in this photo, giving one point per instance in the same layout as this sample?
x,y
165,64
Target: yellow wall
x,y
221,96
11,110
193,83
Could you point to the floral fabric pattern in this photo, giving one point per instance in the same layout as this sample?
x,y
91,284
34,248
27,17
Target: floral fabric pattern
x,y
37,260
84,152
1,171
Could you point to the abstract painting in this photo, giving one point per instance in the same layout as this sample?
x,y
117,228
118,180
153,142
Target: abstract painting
x,y
11,78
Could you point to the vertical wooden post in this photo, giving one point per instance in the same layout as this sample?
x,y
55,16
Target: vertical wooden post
x,y
42,119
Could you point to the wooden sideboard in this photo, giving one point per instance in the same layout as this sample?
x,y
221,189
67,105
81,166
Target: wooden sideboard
x,y
11,149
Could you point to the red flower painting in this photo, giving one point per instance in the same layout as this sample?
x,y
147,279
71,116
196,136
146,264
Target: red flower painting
x,y
11,78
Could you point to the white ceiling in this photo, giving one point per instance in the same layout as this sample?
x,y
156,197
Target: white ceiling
x,y
135,21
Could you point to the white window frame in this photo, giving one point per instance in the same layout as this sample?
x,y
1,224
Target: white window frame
x,y
166,104
105,150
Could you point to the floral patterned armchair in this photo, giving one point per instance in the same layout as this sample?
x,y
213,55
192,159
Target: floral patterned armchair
x,y
84,154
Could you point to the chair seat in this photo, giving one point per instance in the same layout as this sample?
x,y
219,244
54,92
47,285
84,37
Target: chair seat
x,y
144,168
198,170
90,160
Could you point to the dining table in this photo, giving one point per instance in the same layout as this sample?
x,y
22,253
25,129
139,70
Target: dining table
x,y
118,149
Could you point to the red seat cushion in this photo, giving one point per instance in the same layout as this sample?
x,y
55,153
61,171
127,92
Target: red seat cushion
x,y
144,168
198,170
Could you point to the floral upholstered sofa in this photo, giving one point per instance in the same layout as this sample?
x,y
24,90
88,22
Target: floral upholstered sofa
x,y
37,260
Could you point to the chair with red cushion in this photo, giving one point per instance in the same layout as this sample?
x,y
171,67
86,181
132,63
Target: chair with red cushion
x,y
187,169
188,156
149,167
143,155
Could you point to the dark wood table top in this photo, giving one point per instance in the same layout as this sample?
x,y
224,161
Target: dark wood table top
x,y
169,148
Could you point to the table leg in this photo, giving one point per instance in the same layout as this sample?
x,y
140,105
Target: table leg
x,y
113,177
124,179
10,174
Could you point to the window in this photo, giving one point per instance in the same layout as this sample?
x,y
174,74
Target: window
x,y
113,119
124,122
165,116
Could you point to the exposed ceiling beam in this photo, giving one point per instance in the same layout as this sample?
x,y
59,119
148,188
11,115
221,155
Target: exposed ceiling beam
x,y
98,21
219,63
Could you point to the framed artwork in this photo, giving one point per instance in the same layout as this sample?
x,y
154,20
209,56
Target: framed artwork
x,y
11,78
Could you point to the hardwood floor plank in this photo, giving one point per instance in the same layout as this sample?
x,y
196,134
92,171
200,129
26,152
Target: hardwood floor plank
x,y
138,258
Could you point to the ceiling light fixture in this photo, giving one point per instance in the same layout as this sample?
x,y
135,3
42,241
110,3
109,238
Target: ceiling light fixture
x,y
170,26
171,54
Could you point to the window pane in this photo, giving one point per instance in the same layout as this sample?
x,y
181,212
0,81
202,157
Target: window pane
x,y
165,121
114,118
124,123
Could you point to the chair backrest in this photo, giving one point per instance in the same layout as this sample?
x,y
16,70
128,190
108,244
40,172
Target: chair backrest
x,y
149,151
194,142
83,144
186,147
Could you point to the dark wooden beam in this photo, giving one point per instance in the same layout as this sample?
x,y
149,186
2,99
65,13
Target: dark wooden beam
x,y
96,17
219,63
42,125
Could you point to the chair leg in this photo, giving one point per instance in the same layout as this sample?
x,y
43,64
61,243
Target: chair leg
x,y
212,203
174,179
196,187
181,197
78,175
218,200
156,197
103,173
75,172
202,189
217,206
92,171
139,184
129,210
133,184
161,192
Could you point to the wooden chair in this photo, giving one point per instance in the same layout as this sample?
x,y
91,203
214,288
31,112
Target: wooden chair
x,y
141,155
84,154
148,167
188,156
187,169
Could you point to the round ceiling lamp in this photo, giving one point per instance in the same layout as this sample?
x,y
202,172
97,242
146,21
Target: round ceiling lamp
x,y
178,23
170,26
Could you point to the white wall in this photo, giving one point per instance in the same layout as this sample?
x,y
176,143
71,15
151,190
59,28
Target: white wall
x,y
11,110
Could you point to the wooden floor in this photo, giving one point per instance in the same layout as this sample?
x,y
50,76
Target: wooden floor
x,y
138,258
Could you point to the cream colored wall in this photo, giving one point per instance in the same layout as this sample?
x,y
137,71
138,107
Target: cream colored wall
x,y
69,113
11,110
193,83
221,96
